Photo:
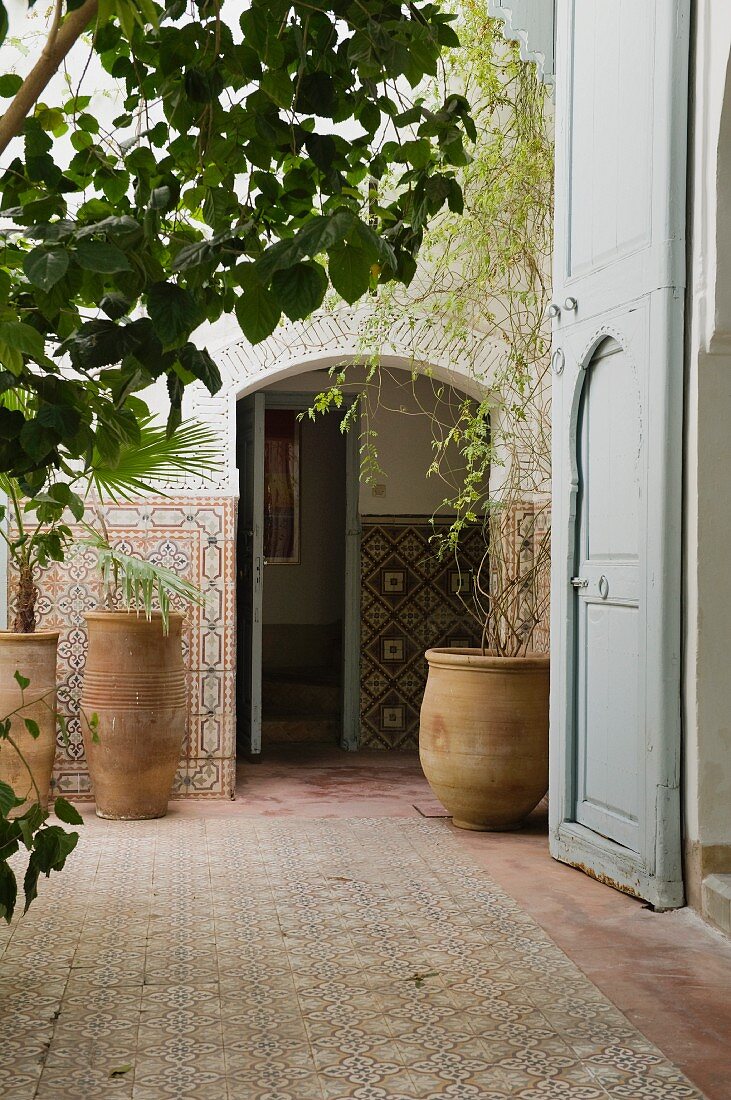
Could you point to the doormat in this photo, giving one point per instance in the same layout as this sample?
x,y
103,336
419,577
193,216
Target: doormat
x,y
431,808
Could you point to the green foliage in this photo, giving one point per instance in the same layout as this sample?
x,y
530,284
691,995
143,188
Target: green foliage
x,y
248,167
142,585
48,846
484,283
39,532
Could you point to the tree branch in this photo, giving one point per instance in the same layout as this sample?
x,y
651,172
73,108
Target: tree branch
x,y
59,42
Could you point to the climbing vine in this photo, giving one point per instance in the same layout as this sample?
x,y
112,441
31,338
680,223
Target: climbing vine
x,y
484,285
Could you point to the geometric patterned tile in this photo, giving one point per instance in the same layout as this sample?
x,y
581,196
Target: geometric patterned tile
x,y
194,537
410,602
280,959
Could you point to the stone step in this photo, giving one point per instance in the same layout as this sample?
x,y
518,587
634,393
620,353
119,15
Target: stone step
x,y
298,694
285,729
717,901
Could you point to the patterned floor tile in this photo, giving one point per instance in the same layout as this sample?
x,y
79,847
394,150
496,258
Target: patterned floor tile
x,y
245,959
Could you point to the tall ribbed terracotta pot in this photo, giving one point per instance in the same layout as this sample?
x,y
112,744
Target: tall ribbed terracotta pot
x,y
483,739
33,656
135,683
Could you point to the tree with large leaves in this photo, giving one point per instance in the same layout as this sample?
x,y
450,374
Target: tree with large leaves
x,y
252,166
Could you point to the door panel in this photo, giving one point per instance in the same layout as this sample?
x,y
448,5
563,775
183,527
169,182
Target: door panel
x,y
249,572
609,693
621,105
611,129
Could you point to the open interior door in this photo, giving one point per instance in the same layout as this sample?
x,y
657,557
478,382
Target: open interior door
x,y
619,278
249,572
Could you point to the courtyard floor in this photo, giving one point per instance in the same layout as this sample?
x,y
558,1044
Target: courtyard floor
x,y
320,938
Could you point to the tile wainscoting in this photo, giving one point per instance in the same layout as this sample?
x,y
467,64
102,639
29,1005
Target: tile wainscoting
x,y
409,602
195,537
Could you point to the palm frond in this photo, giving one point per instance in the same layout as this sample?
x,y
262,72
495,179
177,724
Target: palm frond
x,y
17,400
158,459
142,583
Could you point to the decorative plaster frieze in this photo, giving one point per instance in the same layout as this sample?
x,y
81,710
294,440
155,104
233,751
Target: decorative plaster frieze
x,y
328,338
530,23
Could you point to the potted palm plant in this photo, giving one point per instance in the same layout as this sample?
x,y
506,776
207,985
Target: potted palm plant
x,y
134,682
37,535
134,685
40,532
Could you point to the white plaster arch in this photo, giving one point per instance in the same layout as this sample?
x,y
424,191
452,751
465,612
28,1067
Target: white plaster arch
x,y
328,338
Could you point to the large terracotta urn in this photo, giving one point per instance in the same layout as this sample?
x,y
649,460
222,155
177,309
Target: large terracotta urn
x,y
134,683
34,657
483,739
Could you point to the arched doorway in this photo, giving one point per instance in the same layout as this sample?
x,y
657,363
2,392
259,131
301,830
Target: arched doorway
x,y
331,636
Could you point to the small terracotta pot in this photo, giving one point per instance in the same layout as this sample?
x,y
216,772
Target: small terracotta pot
x,y
483,741
33,656
135,683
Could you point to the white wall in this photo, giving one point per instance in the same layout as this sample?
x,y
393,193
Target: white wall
x,y
707,596
404,434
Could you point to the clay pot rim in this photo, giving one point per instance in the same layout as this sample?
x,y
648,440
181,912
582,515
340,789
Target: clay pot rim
x,y
474,660
132,616
37,635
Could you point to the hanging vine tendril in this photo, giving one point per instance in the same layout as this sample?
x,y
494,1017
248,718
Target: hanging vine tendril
x,y
483,278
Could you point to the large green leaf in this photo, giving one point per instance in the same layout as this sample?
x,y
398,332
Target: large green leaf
x,y
300,288
63,419
8,799
46,266
172,311
10,84
22,338
8,891
350,271
202,366
102,257
67,813
258,313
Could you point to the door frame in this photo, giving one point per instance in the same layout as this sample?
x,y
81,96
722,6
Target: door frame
x,y
350,657
249,582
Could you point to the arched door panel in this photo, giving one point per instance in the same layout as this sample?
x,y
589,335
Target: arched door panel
x,y
609,683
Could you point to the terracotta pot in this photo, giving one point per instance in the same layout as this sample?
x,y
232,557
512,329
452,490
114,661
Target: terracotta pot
x,y
135,683
33,656
483,740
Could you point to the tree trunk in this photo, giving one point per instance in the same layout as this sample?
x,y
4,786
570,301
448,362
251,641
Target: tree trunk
x,y
27,594
60,41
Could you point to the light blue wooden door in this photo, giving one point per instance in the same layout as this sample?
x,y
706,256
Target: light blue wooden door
x,y
619,275
249,572
609,687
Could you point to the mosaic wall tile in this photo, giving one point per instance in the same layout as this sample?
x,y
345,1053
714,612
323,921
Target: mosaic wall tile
x,y
526,533
194,537
410,602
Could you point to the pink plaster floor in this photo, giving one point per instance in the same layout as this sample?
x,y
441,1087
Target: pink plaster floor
x,y
320,939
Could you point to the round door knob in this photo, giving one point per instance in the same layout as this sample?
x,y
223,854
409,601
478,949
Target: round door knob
x,y
570,304
553,310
